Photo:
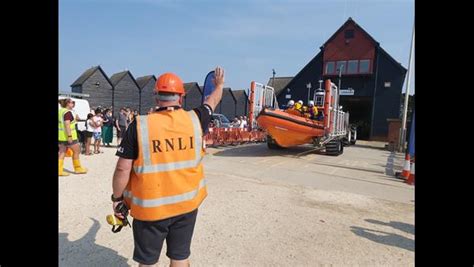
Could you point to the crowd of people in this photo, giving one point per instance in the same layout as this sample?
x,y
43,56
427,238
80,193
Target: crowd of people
x,y
97,131
100,124
240,122
99,128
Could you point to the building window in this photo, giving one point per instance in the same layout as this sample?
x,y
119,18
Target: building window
x,y
352,66
343,65
330,67
349,34
364,66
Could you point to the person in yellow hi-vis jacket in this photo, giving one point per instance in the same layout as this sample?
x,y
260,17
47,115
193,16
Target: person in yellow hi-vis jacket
x,y
313,110
159,173
67,137
299,106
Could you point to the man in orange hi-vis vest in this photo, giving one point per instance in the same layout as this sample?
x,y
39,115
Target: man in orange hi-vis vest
x,y
159,173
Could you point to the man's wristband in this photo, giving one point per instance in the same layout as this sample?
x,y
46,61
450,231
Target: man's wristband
x,y
114,199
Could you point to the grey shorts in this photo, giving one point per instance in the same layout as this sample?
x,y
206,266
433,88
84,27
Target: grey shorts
x,y
149,238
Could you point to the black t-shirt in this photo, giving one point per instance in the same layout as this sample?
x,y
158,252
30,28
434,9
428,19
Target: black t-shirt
x,y
110,121
128,148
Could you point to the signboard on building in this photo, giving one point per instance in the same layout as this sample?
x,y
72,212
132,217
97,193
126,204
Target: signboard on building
x,y
348,91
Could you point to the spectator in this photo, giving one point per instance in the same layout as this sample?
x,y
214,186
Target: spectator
x,y
129,116
107,129
216,122
88,134
80,129
121,124
97,133
243,123
235,122
134,115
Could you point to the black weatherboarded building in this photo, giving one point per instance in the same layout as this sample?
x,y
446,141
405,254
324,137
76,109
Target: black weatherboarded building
x,y
279,84
147,97
227,104
96,84
241,102
126,91
123,90
371,81
193,96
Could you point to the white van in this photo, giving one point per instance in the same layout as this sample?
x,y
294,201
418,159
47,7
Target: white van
x,y
81,108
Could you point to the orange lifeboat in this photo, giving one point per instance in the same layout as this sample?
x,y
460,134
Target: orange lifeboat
x,y
289,129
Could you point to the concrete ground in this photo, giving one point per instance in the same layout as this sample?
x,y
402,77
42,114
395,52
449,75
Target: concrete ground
x,y
290,207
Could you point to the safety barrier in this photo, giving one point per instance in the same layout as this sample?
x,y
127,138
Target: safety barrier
x,y
232,136
411,178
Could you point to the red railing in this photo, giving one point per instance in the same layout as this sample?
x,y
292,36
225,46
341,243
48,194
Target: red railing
x,y
232,136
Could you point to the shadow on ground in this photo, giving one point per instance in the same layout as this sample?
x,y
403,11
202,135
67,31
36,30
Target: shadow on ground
x,y
405,227
69,171
389,239
85,252
260,150
369,146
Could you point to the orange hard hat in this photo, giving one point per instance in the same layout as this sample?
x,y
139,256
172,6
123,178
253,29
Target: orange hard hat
x,y
169,83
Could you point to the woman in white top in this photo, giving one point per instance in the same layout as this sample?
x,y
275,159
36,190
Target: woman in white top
x,y
97,130
246,122
88,133
243,123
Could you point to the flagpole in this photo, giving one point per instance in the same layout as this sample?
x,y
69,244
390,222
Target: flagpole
x,y
401,147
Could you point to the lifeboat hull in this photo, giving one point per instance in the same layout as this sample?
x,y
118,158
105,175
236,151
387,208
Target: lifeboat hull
x,y
288,129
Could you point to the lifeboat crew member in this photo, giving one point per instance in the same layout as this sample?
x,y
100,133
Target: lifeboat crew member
x,y
68,137
291,104
159,173
313,110
299,105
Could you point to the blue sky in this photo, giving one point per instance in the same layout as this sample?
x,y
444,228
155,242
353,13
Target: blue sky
x,y
248,38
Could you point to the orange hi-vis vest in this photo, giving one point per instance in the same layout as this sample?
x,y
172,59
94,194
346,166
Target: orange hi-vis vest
x,y
167,178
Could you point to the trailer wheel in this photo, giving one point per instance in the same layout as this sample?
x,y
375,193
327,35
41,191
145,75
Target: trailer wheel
x,y
354,136
272,144
334,148
348,139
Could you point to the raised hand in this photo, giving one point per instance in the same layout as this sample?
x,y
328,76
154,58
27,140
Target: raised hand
x,y
219,76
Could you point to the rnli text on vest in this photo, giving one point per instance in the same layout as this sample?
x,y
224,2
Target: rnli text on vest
x,y
170,144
